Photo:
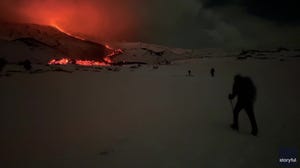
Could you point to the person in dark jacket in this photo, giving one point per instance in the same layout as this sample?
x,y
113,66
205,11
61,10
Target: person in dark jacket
x,y
212,72
245,91
3,62
189,73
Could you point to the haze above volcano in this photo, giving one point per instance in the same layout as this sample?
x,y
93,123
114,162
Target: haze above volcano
x,y
175,23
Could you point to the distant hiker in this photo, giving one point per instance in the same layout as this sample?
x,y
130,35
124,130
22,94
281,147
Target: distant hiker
x,y
3,62
189,73
212,72
245,91
27,65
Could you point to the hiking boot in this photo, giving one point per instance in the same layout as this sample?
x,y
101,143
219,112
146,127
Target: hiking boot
x,y
234,127
254,132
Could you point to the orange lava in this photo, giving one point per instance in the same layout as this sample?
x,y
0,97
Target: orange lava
x,y
90,63
115,52
66,61
63,61
63,31
107,60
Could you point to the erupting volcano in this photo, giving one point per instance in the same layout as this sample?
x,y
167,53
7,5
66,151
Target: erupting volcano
x,y
53,45
96,20
67,29
64,61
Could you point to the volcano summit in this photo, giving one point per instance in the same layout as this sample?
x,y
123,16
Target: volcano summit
x,y
39,43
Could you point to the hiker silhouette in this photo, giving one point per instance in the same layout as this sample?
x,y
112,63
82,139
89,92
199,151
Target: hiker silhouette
x,y
189,73
3,62
212,72
245,91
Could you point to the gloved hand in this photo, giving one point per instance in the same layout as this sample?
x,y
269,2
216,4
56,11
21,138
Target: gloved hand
x,y
230,97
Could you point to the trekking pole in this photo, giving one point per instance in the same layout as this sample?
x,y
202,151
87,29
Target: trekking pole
x,y
231,105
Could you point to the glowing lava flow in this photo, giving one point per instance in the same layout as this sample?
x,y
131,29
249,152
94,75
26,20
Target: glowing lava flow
x,y
63,31
115,52
64,61
107,60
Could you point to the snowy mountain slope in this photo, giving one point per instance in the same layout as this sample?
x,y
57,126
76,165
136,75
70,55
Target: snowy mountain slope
x,y
51,38
27,48
156,54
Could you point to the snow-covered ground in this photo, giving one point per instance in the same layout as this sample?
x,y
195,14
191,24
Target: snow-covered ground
x,y
151,115
145,117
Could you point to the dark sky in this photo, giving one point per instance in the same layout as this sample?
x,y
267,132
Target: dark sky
x,y
177,23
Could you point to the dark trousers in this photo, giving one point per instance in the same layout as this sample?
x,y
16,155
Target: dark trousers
x,y
249,110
